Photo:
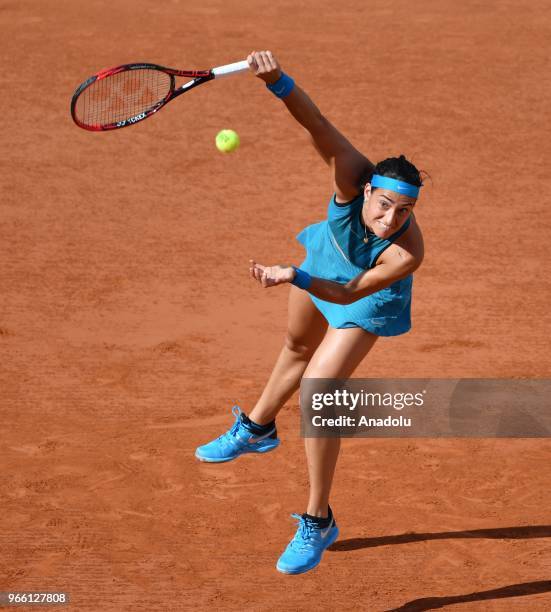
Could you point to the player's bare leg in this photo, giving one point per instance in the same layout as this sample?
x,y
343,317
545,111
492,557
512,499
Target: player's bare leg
x,y
338,355
257,432
305,331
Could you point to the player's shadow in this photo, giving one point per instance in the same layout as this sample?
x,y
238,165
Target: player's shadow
x,y
500,533
434,603
511,590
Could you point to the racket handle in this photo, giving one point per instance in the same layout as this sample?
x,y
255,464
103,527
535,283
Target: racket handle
x,y
228,69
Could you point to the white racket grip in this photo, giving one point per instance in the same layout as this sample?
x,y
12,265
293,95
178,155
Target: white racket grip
x,y
221,71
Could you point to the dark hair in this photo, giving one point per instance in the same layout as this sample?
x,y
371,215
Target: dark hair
x,y
398,168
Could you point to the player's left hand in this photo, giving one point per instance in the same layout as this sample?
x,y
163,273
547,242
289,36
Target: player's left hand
x,y
268,276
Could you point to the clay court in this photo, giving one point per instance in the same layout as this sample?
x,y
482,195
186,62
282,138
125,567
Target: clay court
x,y
129,325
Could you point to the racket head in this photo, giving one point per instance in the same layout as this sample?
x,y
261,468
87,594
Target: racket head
x,y
121,96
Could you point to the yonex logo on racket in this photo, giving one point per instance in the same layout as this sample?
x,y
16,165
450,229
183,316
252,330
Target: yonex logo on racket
x,y
132,120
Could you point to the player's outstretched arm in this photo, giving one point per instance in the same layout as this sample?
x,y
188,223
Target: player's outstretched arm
x,y
397,263
367,283
349,166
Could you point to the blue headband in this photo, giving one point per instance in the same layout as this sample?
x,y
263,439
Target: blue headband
x,y
393,185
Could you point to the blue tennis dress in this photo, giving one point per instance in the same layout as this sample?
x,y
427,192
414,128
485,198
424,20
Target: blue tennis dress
x,y
336,251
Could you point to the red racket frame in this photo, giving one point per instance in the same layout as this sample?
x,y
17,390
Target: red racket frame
x,y
198,76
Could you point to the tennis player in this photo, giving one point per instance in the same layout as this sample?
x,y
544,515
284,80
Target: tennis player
x,y
354,286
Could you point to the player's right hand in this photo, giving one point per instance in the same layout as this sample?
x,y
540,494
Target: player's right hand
x,y
264,65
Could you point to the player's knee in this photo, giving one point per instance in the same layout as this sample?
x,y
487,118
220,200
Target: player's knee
x,y
298,346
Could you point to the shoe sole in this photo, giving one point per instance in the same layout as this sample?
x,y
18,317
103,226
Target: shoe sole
x,y
266,449
303,570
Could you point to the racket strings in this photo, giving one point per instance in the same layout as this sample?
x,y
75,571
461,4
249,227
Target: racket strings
x,y
122,96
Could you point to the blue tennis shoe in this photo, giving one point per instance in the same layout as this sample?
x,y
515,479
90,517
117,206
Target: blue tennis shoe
x,y
305,550
239,440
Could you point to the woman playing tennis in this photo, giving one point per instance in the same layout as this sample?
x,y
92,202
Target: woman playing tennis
x,y
353,286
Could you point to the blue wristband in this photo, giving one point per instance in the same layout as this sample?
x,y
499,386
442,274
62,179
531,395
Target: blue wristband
x,y
282,87
302,279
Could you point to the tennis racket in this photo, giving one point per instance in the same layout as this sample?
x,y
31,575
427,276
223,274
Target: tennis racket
x,y
122,96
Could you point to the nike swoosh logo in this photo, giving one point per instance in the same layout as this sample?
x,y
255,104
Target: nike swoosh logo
x,y
324,532
254,439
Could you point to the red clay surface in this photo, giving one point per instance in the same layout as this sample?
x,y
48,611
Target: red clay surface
x,y
129,325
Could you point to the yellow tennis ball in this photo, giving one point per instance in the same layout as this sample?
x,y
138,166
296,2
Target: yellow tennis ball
x,y
227,141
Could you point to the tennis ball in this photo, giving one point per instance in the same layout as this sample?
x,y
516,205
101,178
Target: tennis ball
x,y
227,141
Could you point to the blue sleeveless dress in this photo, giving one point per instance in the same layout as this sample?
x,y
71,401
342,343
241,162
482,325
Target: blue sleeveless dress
x,y
336,251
